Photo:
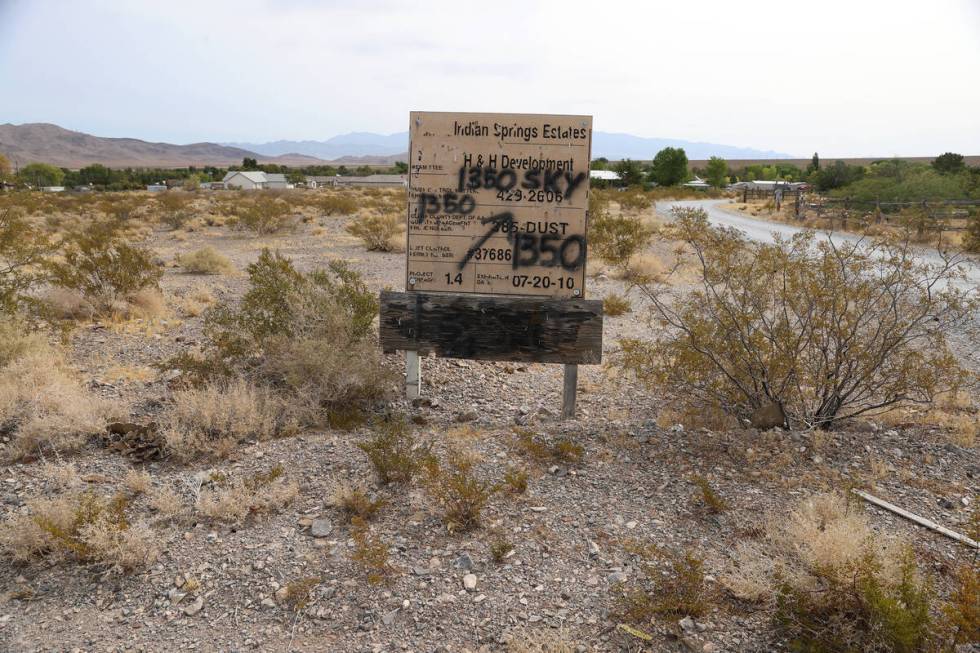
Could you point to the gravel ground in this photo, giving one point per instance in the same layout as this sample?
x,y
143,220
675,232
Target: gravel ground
x,y
570,532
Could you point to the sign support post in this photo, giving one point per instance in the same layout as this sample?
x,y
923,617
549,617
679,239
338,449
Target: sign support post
x,y
569,390
413,375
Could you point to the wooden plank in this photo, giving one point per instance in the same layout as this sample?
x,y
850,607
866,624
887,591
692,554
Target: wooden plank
x,y
413,375
922,521
520,329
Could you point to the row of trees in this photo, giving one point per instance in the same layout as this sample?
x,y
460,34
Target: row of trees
x,y
37,175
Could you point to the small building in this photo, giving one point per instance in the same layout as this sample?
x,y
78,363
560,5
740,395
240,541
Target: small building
x,y
52,189
604,175
156,188
697,183
370,181
275,180
245,179
318,181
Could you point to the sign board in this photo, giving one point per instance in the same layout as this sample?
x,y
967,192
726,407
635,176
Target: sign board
x,y
498,204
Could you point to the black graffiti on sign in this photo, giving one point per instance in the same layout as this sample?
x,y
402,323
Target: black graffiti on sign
x,y
432,204
530,249
559,183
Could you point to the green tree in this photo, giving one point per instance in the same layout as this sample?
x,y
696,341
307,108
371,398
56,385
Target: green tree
x,y
814,163
835,176
4,168
949,163
249,164
629,171
669,166
401,167
41,174
602,163
717,171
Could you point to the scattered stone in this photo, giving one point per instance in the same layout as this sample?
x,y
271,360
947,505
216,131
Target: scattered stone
x,y
388,618
463,561
192,609
469,582
686,624
321,527
467,416
617,577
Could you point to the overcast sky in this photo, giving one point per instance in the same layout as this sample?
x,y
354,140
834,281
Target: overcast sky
x,y
842,77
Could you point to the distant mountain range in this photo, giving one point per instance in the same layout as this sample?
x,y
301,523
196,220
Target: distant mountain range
x,y
47,143
610,145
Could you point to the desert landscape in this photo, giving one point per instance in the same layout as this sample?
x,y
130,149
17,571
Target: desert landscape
x,y
204,449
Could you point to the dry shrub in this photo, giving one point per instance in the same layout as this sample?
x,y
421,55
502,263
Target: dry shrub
x,y
64,304
295,595
459,492
166,503
265,214
515,480
833,583
394,453
304,333
206,260
213,419
105,269
543,641
378,232
541,450
16,341
709,498
354,501
962,612
62,475
137,481
43,407
672,585
827,331
146,304
499,548
336,203
634,200
83,527
370,552
173,208
644,269
237,500
615,305
23,249
615,238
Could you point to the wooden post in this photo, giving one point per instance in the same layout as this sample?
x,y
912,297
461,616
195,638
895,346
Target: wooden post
x,y
413,375
568,392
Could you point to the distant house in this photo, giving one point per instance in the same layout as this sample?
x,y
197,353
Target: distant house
x,y
770,185
370,181
698,183
276,180
319,181
53,189
604,175
245,179
156,188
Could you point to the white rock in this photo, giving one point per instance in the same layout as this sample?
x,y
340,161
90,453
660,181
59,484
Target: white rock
x,y
469,582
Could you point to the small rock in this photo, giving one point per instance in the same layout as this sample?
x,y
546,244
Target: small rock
x,y
686,624
321,527
388,618
268,603
710,647
467,416
593,549
464,561
192,609
469,582
617,577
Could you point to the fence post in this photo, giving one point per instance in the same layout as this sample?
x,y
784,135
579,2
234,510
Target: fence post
x,y
569,390
413,375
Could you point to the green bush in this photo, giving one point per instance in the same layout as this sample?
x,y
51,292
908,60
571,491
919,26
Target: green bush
x,y
102,267
304,332
265,214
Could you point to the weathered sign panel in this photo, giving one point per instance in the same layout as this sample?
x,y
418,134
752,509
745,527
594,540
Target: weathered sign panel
x,y
527,329
497,203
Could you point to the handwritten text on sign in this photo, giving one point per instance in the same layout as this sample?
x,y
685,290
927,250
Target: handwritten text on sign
x,y
497,203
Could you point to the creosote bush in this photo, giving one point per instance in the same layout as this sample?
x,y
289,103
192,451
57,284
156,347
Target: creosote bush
x,y
105,269
826,330
305,334
82,527
378,231
173,208
615,238
539,449
23,250
833,584
264,214
354,501
207,260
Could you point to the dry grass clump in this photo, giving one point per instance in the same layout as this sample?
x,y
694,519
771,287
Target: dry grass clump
x,y
206,260
542,641
64,304
833,583
515,480
336,203
266,213
709,498
82,527
214,418
237,500
379,232
354,501
43,407
615,305
295,595
166,503
539,449
137,481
